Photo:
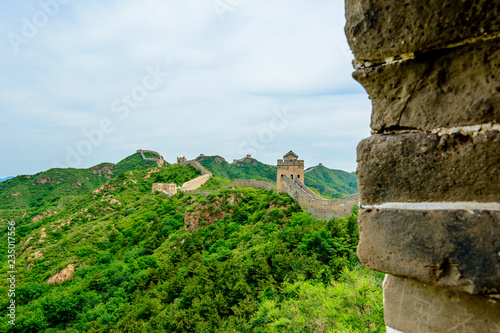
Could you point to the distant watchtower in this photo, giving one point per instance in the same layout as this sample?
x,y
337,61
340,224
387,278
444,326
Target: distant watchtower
x,y
289,166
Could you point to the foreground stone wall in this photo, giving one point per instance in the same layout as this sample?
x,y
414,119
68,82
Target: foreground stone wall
x,y
429,174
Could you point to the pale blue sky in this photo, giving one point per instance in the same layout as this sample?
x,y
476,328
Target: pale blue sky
x,y
85,82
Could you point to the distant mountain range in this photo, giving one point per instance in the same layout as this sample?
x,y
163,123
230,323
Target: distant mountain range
x,y
59,187
4,179
49,187
328,182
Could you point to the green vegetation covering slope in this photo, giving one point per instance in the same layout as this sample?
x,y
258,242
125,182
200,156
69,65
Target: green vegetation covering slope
x,y
53,189
241,260
249,168
331,183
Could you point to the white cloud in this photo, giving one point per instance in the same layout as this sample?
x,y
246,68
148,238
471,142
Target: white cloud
x,y
225,79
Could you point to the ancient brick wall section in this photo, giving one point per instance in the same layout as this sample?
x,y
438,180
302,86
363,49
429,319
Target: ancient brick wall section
x,y
159,160
195,183
259,184
196,165
319,207
167,188
429,174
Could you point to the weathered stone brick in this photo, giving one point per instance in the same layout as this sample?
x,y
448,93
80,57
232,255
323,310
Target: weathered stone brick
x,y
428,167
410,306
447,88
377,29
456,249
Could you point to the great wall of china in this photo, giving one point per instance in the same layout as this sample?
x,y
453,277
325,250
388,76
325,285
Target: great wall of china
x,y
318,206
288,168
160,162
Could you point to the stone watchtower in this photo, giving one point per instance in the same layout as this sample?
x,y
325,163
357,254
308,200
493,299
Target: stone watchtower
x,y
289,166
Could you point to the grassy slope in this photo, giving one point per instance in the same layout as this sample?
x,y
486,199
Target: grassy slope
x,y
53,189
258,267
332,183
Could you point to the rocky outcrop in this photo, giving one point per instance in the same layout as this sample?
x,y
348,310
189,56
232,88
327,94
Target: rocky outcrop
x,y
63,275
429,174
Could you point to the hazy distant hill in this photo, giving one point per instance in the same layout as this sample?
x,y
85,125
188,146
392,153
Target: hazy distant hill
x,y
4,179
333,183
48,187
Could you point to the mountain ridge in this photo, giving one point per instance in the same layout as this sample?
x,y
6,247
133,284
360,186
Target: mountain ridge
x,y
330,183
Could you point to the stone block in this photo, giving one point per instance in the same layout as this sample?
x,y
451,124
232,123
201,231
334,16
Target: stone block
x,y
455,249
426,167
447,88
410,306
378,29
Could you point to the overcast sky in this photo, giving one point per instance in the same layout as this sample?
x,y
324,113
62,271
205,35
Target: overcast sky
x,y
84,82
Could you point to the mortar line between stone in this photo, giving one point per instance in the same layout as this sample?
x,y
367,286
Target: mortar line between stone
x,y
470,205
411,55
464,130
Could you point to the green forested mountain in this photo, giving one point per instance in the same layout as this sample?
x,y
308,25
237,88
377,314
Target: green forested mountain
x,y
55,188
121,259
249,168
331,183
328,182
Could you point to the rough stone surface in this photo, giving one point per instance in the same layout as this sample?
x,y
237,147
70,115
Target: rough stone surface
x,y
377,29
410,306
447,88
429,168
455,249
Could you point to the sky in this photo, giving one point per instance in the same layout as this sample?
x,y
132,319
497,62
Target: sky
x,y
85,82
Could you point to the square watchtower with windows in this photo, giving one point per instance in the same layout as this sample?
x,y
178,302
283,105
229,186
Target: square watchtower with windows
x,y
290,166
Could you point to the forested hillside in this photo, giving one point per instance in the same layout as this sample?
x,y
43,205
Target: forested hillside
x,y
249,168
121,259
53,189
328,182
331,183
